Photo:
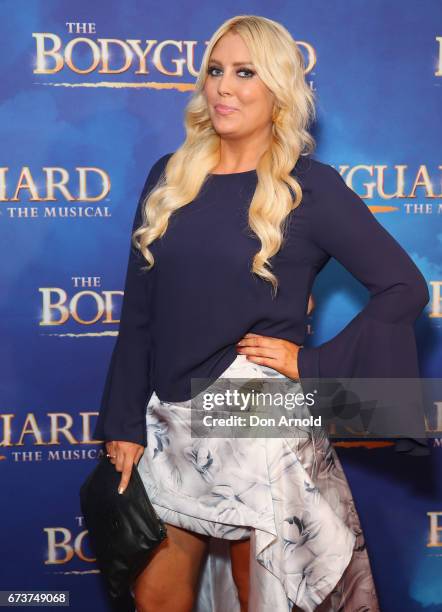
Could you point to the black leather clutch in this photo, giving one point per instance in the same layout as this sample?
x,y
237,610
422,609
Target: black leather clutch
x,y
123,529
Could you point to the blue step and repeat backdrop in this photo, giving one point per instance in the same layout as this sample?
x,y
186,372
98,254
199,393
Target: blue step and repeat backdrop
x,y
92,93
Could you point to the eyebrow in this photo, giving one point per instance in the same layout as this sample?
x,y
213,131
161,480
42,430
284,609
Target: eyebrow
x,y
215,61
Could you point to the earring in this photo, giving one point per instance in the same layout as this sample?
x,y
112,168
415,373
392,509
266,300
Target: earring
x,y
276,115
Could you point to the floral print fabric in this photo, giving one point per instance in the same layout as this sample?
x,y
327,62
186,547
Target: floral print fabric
x,y
288,495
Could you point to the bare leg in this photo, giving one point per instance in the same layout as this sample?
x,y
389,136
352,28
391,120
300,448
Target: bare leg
x,y
169,580
240,556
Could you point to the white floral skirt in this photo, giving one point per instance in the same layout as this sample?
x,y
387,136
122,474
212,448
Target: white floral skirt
x,y
288,495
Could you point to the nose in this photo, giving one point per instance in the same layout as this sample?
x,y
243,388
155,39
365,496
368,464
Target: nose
x,y
224,84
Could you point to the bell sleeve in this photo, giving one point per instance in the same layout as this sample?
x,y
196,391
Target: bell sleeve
x,y
379,342
128,384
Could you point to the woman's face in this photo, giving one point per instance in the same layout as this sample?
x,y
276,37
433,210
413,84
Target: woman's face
x,y
240,104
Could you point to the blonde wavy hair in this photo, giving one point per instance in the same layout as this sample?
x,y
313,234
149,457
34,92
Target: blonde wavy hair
x,y
280,64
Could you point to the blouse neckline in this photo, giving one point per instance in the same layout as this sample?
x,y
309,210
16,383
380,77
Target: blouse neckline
x,y
234,173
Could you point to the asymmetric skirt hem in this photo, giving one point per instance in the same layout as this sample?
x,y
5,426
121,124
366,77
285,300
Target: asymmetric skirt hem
x,y
290,496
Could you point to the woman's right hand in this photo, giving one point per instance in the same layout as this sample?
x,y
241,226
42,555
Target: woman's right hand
x,y
123,455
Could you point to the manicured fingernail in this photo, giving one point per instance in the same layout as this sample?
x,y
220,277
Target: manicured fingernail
x,y
120,490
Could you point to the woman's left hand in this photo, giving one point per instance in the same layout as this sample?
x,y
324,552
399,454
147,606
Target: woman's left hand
x,y
276,353
281,355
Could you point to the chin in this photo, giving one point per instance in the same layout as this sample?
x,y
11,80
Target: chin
x,y
226,132
224,127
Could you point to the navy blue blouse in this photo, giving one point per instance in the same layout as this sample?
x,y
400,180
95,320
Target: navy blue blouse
x,y
183,318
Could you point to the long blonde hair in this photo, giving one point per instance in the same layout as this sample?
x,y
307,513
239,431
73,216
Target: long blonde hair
x,y
280,64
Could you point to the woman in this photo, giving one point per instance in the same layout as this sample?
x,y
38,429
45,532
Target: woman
x,y
235,225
